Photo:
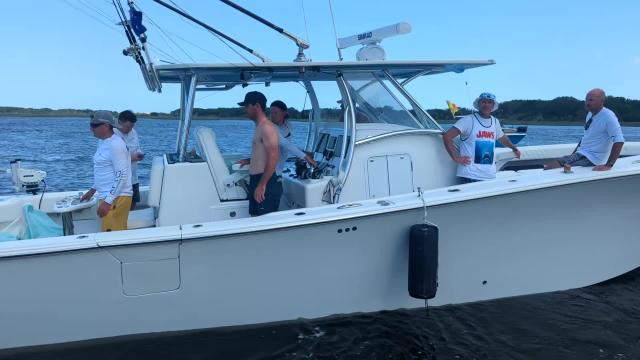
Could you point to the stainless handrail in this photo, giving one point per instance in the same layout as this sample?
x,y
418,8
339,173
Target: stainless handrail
x,y
348,157
414,102
314,115
420,74
188,94
399,133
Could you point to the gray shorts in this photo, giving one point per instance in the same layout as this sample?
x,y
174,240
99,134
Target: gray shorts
x,y
575,159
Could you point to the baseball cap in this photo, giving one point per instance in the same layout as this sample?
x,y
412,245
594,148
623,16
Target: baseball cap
x,y
254,97
104,117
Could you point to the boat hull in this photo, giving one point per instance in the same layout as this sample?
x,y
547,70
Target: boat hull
x,y
567,236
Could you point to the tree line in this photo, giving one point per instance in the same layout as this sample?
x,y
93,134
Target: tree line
x,y
561,110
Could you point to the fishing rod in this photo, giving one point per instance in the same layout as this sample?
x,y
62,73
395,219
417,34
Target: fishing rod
x,y
134,48
204,25
300,43
135,17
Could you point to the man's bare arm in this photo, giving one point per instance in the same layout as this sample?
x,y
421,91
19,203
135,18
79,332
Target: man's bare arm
x,y
447,138
616,149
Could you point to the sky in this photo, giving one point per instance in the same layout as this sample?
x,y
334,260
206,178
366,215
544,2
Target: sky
x,y
68,53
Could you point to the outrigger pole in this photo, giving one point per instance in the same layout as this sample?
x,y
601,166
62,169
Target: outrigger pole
x,y
301,44
148,71
204,25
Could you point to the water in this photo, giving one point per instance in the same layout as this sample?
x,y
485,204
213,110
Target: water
x,y
597,322
63,147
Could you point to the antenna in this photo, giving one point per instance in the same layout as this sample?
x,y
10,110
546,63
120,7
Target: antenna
x,y
301,44
335,32
371,40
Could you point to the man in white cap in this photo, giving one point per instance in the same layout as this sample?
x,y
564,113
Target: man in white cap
x,y
478,134
111,173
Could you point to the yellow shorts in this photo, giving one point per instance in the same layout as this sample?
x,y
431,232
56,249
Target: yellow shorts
x,y
116,218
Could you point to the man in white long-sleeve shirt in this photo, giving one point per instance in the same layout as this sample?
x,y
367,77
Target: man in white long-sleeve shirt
x,y
111,173
127,120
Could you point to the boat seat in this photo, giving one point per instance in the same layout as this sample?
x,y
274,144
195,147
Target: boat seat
x,y
229,186
144,218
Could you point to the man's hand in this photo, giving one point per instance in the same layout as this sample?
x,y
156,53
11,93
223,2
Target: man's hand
x,y
103,209
462,160
258,195
88,195
311,161
604,167
243,161
137,157
516,151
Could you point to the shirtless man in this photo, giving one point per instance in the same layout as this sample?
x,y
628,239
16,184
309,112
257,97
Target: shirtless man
x,y
265,186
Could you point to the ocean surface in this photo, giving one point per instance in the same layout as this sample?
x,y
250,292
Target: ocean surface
x,y
598,322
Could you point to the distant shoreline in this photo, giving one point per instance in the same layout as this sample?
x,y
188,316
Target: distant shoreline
x,y
562,110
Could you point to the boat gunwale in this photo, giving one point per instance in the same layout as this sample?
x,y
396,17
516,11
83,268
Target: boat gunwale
x,y
331,213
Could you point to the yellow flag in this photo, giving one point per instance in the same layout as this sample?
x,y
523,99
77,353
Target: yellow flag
x,y
452,107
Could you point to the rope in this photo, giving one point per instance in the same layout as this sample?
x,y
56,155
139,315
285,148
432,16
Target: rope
x,y
216,35
168,55
168,34
110,26
97,10
424,205
164,34
306,27
43,191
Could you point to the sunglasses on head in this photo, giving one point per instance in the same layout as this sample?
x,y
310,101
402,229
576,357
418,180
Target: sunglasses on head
x,y
487,96
586,126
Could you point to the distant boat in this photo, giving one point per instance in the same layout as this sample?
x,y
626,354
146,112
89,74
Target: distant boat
x,y
515,134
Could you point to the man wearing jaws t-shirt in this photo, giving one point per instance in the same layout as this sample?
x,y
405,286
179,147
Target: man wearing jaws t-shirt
x,y
478,134
111,174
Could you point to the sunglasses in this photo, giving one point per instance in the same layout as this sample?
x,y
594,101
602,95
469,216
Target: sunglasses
x,y
96,125
586,126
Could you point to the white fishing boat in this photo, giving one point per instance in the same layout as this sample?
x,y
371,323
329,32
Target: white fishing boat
x,y
194,259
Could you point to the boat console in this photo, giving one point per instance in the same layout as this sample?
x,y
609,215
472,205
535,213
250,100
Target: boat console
x,y
304,186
